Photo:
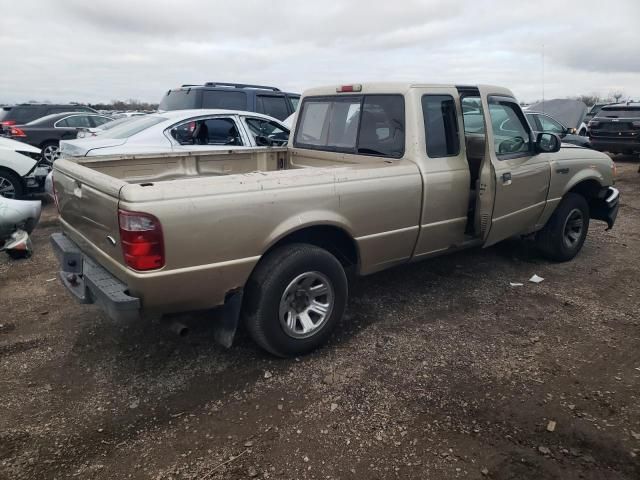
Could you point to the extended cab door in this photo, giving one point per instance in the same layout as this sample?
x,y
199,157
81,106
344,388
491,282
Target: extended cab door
x,y
521,177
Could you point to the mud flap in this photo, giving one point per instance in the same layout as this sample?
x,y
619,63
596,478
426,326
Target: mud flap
x,y
606,209
227,320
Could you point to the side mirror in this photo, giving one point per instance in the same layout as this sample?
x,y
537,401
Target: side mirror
x,y
547,143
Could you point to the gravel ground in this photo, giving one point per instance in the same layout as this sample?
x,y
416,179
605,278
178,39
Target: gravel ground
x,y
441,370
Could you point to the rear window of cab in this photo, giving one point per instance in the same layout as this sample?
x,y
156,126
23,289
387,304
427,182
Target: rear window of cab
x,y
358,124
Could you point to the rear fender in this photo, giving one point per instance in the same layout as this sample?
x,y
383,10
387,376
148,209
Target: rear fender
x,y
307,219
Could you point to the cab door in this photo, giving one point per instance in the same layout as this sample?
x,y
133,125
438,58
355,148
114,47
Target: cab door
x,y
521,176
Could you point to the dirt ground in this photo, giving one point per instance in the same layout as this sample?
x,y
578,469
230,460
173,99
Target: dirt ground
x,y
441,370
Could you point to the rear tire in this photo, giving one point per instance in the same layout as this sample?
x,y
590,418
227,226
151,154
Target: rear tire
x,y
564,234
10,185
294,299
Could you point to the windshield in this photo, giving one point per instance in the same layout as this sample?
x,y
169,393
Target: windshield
x,y
135,125
182,99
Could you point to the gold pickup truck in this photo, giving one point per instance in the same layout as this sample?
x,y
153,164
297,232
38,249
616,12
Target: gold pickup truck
x,y
374,175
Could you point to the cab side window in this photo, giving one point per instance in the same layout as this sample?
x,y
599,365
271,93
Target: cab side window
x,y
510,132
472,115
440,126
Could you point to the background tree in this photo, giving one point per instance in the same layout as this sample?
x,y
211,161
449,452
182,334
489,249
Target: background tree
x,y
589,100
616,95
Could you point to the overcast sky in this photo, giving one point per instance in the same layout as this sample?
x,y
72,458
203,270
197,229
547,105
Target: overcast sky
x,y
93,50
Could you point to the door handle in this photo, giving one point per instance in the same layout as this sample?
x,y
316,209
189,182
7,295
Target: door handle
x,y
506,178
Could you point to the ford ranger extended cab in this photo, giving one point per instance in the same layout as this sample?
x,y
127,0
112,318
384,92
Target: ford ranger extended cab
x,y
374,175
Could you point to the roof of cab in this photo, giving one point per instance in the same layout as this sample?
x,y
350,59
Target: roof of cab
x,y
397,88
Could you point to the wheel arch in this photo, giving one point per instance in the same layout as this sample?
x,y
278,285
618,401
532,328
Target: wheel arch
x,y
10,170
589,188
23,183
331,237
48,141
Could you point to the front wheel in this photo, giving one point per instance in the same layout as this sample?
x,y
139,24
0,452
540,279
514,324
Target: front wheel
x,y
50,152
564,234
294,299
10,185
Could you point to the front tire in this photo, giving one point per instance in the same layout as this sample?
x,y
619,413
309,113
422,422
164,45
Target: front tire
x,y
10,185
50,152
564,234
294,299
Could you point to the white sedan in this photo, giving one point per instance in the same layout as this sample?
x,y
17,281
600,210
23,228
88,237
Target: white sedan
x,y
180,131
19,170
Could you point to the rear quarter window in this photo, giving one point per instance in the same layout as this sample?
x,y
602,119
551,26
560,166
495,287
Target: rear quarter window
x,y
364,125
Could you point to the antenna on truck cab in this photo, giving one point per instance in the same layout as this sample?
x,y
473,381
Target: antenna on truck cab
x,y
543,78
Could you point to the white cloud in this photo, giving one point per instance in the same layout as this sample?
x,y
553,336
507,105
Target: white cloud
x,y
101,50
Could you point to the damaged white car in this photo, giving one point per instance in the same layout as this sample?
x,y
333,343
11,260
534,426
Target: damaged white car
x,y
18,218
20,169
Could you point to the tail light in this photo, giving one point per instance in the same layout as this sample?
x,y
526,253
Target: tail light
x,y
142,240
7,123
16,132
592,123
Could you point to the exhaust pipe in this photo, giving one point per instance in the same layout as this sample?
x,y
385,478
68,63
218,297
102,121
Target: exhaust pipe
x,y
179,329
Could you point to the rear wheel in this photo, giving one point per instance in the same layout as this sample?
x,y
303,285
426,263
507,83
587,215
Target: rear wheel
x,y
50,151
10,185
294,299
564,234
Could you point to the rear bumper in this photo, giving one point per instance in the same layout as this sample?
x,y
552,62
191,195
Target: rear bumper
x,y
615,146
88,282
606,206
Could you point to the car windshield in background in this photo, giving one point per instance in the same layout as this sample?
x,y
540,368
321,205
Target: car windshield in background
x,y
116,122
181,99
365,125
619,112
134,126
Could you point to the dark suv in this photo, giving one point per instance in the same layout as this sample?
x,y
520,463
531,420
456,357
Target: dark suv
x,y
232,96
616,129
27,112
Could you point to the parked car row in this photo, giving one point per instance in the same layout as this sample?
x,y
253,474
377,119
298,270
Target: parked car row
x,y
219,115
215,115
